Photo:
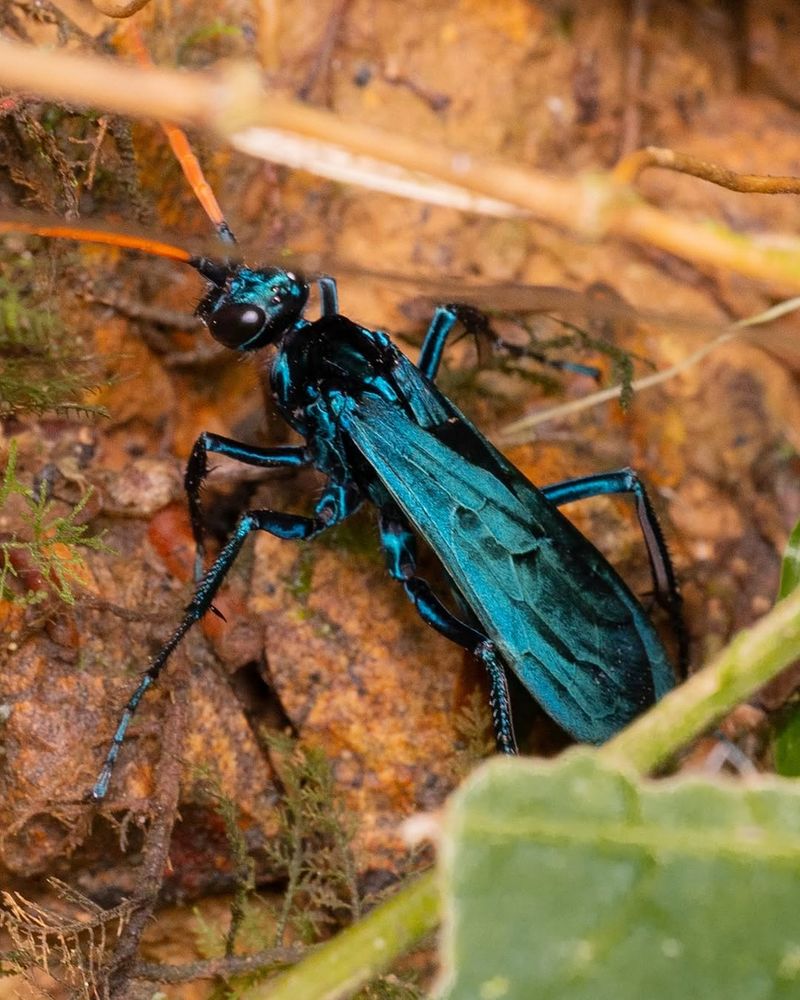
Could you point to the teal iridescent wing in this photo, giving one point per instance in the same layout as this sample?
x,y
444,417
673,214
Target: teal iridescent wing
x,y
561,617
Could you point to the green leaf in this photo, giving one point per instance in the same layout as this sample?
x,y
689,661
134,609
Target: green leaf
x,y
790,566
573,880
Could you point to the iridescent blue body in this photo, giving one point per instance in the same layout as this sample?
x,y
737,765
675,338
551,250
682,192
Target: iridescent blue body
x,y
546,603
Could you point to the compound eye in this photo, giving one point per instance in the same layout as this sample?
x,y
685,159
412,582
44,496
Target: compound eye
x,y
237,324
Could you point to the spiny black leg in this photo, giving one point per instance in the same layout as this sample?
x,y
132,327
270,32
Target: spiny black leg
x,y
329,296
665,582
435,614
442,325
440,328
399,547
336,503
197,470
476,323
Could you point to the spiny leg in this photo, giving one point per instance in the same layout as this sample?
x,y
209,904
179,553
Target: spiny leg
x,y
665,582
440,328
286,456
337,502
664,579
476,323
328,295
399,546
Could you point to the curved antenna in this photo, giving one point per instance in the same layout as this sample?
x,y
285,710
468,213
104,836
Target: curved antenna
x,y
215,271
179,143
17,223
193,173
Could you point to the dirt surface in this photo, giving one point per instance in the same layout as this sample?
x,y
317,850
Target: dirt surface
x,y
318,641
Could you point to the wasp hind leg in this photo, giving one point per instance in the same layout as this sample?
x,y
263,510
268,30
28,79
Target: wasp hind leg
x,y
475,323
399,546
665,582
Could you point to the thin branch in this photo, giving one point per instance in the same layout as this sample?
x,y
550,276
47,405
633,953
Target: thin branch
x,y
235,965
156,848
321,62
233,102
629,169
632,114
520,430
361,951
119,8
753,658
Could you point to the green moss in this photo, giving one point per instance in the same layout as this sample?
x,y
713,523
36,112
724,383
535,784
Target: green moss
x,y
299,582
44,369
42,542
356,536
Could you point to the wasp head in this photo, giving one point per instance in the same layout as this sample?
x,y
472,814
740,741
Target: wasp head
x,y
248,309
